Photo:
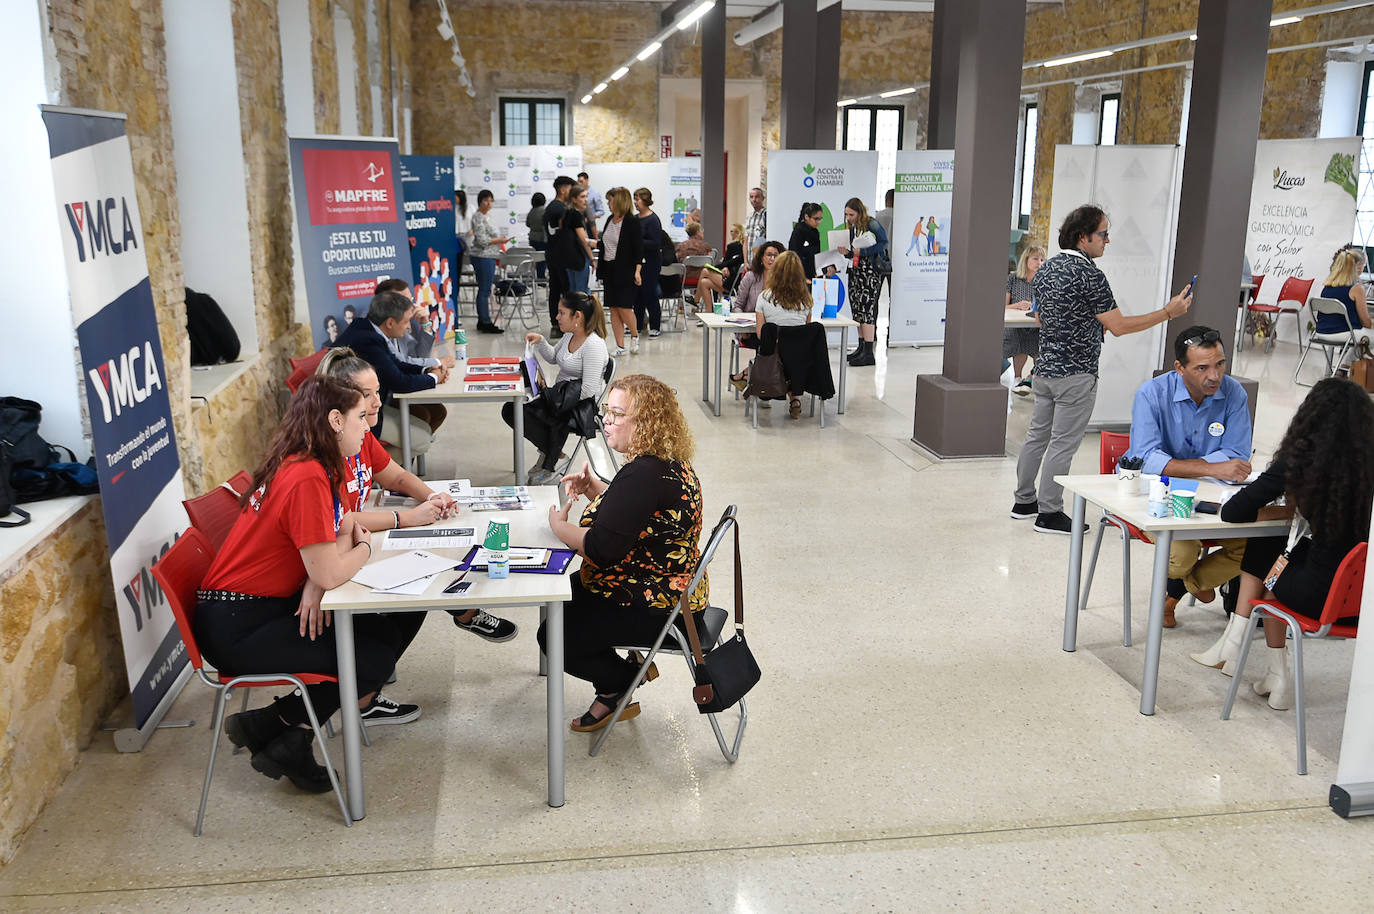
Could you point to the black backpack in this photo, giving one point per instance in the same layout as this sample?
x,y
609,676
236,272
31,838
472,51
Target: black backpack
x,y
34,470
213,339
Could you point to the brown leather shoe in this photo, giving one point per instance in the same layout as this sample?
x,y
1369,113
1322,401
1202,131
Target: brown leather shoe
x,y
1169,604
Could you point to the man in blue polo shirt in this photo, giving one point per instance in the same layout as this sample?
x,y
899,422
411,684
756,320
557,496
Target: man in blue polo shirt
x,y
1192,422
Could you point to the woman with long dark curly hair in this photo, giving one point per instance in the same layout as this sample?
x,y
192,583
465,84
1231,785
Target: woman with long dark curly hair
x,y
1323,468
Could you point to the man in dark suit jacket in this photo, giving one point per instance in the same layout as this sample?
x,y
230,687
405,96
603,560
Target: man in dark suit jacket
x,y
388,317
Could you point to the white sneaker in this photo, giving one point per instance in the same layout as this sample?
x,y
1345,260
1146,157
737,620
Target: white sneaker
x,y
617,352
634,345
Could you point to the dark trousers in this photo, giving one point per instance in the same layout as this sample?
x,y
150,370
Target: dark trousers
x,y
647,303
592,627
541,246
263,636
558,284
540,431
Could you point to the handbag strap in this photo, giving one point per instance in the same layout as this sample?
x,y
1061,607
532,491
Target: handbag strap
x,y
692,637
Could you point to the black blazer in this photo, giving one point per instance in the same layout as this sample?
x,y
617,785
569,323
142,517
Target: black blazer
x,y
393,376
629,253
805,357
806,241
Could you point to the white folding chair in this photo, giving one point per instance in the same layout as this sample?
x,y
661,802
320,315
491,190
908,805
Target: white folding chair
x,y
677,304
1345,341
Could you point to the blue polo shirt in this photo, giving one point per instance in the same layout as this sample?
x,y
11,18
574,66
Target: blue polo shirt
x,y
1166,424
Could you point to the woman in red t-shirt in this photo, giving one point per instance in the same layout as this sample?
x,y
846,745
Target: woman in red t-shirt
x,y
295,529
373,465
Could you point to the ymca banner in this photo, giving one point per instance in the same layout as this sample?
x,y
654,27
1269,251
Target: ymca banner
x,y
920,254
825,176
351,223
1302,208
427,182
126,393
513,174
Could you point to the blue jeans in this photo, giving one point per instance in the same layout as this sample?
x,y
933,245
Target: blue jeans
x,y
579,279
485,269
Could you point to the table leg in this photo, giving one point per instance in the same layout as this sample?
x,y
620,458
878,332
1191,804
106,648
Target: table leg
x,y
553,639
844,363
405,434
543,658
1080,510
705,363
348,712
720,346
1154,638
519,439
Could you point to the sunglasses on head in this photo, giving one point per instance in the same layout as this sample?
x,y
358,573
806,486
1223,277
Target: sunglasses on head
x,y
1205,339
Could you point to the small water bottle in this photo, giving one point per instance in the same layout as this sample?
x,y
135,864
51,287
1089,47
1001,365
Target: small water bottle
x,y
1159,497
460,345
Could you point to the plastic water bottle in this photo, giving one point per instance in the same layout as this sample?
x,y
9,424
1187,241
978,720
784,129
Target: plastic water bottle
x,y
1159,497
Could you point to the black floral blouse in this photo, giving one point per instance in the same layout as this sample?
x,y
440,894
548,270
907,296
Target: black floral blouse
x,y
641,548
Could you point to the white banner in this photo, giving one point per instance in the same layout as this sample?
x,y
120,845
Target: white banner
x,y
634,175
920,254
825,176
132,440
1138,187
684,195
513,174
1302,208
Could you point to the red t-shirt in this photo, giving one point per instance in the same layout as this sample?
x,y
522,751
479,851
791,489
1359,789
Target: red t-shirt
x,y
262,553
361,467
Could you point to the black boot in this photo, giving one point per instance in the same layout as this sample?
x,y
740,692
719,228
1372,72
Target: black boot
x,y
865,357
858,351
254,730
290,754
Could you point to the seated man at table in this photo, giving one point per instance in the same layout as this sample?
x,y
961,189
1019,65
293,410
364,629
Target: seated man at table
x,y
388,317
415,345
1193,422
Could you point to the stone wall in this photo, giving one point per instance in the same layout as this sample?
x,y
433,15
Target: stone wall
x,y
61,666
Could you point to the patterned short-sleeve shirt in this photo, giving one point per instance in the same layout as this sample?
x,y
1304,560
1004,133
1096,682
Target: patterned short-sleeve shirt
x,y
1070,292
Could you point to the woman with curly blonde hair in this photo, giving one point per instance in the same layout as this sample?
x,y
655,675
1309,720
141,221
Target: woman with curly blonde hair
x,y
638,542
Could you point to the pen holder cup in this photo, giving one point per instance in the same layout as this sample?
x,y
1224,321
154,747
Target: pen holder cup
x,y
1127,481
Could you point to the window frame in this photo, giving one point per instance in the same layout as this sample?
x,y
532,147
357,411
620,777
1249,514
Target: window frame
x,y
872,123
1024,202
1102,117
531,103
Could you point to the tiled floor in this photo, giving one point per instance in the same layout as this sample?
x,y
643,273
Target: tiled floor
x,y
919,741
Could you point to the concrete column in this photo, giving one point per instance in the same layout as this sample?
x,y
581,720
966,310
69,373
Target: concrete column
x,y
713,125
944,75
962,412
1219,161
826,77
799,29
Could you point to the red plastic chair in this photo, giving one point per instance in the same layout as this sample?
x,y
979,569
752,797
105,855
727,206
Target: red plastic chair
x,y
303,368
180,572
1294,291
1113,447
1342,601
214,512
1258,280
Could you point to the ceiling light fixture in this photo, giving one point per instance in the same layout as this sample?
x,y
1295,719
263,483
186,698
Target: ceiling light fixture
x,y
690,19
586,99
649,51
896,92
846,101
619,73
1284,20
1077,58
599,88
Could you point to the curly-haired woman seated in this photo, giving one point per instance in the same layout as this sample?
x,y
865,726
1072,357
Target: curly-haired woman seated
x,y
638,542
1323,467
253,615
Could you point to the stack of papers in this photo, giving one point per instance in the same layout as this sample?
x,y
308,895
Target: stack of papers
x,y
490,498
429,538
408,573
492,374
741,319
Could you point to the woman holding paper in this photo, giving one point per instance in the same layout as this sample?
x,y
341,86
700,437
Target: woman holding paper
x,y
806,237
581,357
295,534
638,542
866,248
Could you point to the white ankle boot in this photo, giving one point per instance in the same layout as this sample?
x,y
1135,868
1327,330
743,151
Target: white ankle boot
x,y
1278,681
1227,647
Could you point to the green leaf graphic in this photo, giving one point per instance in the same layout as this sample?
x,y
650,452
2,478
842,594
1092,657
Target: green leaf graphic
x,y
1340,171
809,168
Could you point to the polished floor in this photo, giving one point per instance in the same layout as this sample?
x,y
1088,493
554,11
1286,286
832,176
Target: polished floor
x,y
919,741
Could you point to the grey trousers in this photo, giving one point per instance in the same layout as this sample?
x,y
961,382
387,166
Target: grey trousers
x,y
1062,409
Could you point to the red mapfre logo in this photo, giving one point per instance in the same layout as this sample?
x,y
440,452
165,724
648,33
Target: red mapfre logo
x,y
346,186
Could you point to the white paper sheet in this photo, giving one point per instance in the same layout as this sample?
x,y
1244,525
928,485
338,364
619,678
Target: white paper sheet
x,y
411,588
429,538
837,238
401,569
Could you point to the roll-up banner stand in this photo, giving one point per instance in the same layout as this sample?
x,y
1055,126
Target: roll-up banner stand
x,y
920,250
1355,769
1302,208
825,176
132,438
1138,187
513,174
684,186
351,223
427,183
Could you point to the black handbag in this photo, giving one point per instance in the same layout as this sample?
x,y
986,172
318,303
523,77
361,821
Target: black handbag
x,y
564,404
729,671
767,381
7,496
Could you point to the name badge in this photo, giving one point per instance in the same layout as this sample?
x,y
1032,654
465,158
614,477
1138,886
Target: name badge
x,y
1216,429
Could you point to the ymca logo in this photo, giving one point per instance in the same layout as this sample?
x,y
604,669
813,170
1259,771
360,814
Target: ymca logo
x,y
119,386
94,227
142,592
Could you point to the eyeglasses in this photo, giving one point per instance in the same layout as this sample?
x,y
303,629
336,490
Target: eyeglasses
x,y
1205,339
614,415
1106,236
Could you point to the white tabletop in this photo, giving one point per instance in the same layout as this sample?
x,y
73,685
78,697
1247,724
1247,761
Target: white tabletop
x,y
452,389
713,321
1134,508
1018,318
527,528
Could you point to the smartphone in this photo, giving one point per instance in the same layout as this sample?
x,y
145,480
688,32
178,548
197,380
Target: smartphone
x,y
1192,283
1208,507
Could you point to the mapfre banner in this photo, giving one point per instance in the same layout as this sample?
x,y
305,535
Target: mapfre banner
x,y
132,440
350,215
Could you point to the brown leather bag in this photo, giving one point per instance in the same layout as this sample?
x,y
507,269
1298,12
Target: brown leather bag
x,y
1362,373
